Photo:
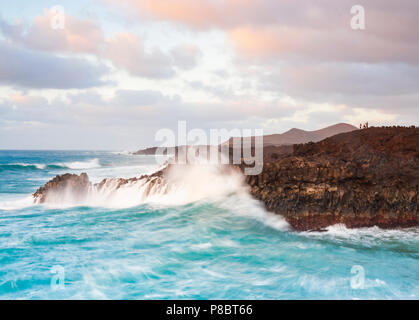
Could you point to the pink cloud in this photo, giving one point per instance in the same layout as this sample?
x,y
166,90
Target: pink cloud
x,y
281,42
317,30
127,52
198,14
78,35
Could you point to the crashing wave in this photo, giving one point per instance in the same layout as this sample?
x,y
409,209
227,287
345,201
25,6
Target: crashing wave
x,y
25,166
76,165
173,185
79,165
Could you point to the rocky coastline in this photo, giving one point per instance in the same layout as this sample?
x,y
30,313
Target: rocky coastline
x,y
362,178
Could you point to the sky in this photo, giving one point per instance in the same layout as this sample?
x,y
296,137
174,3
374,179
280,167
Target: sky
x,y
108,74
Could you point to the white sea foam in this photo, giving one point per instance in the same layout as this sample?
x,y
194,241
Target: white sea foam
x,y
78,165
98,174
22,164
244,205
16,203
182,185
340,232
36,165
201,246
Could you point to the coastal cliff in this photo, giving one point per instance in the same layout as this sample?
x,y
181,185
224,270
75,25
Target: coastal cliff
x,y
362,178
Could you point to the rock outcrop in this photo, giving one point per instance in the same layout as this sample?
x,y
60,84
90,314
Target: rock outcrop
x,y
79,186
362,178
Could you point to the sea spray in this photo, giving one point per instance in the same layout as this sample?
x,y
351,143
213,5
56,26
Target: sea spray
x,y
174,185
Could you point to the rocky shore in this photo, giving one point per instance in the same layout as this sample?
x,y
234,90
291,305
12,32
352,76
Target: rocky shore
x,y
79,185
361,178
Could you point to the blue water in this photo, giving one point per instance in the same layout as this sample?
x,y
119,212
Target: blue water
x,y
216,248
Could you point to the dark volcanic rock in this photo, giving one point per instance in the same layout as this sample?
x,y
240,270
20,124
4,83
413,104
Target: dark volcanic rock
x,y
78,184
362,178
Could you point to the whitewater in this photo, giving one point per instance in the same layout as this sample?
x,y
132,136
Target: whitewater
x,y
199,237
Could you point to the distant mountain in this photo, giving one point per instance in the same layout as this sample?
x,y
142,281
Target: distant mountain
x,y
295,136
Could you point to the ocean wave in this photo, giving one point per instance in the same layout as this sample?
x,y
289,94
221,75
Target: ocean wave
x,y
24,166
246,206
367,236
16,204
181,185
76,165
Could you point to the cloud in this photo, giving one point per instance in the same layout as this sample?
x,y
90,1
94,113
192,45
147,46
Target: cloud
x,y
197,14
308,50
126,51
279,42
81,36
142,98
306,79
280,29
77,35
133,108
130,118
220,91
186,56
24,68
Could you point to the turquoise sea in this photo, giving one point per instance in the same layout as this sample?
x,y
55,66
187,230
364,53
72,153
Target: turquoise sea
x,y
205,240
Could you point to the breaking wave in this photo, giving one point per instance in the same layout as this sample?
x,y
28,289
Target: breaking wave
x,y
16,204
180,185
366,236
76,165
79,165
22,166
220,186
